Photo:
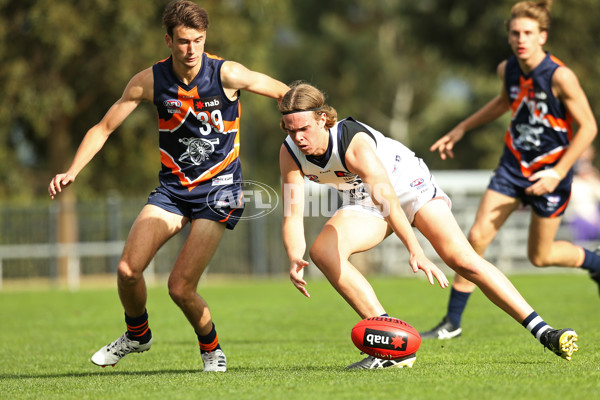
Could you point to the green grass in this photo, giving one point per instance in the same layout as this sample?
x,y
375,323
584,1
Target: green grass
x,y
281,345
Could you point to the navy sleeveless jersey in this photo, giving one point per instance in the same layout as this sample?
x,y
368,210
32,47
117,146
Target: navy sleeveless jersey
x,y
540,129
198,132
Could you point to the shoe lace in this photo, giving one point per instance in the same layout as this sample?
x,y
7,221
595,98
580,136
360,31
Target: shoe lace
x,y
213,358
121,346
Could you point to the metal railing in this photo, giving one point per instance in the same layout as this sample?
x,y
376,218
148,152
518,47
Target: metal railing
x,y
29,248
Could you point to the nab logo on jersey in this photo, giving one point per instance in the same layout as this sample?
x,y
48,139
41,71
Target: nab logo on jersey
x,y
346,176
207,104
340,174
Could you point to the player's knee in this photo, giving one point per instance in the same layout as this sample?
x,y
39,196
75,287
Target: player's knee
x,y
319,255
539,260
128,275
477,240
177,293
464,263
324,254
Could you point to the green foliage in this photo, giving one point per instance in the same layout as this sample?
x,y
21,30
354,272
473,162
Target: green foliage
x,y
281,345
67,62
389,63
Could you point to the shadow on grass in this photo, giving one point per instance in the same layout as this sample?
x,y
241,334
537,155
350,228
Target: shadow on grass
x,y
232,370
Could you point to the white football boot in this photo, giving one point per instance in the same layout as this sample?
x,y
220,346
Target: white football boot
x,y
371,362
113,352
214,361
443,330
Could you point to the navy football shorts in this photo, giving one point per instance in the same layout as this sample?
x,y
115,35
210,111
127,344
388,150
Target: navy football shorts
x,y
549,205
221,213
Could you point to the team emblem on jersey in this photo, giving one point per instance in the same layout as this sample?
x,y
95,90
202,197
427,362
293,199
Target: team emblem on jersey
x,y
207,104
529,137
514,91
552,202
417,182
198,150
173,106
312,178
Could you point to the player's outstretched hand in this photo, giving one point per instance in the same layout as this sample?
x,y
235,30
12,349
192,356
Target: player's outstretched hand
x,y
59,182
431,270
446,143
297,275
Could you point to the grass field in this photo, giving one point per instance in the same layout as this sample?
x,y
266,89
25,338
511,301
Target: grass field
x,y
281,345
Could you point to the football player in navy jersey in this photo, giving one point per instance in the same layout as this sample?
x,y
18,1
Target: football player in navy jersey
x,y
197,98
385,189
545,98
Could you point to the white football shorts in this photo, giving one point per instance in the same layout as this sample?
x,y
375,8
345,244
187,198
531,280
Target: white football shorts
x,y
414,186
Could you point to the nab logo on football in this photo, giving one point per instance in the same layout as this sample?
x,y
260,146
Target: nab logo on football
x,y
385,339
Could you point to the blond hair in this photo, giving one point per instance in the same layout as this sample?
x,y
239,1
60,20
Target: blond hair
x,y
538,11
305,97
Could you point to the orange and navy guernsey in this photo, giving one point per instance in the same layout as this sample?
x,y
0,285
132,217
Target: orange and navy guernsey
x,y
199,132
540,129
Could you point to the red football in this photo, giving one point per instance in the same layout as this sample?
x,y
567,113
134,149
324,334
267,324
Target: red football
x,y
385,337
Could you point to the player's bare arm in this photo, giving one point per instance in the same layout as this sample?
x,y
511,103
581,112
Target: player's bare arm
x,y
489,112
566,87
362,160
293,219
235,76
139,88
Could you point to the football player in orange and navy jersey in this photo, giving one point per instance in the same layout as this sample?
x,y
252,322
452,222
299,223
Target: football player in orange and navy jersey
x,y
197,98
545,100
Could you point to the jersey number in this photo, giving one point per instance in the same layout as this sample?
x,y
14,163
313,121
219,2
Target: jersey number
x,y
211,121
539,116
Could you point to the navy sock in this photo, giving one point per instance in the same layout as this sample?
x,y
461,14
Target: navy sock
x,y
536,325
209,342
456,306
137,328
591,262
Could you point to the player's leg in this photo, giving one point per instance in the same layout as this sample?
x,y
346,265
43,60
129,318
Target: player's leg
x,y
494,208
493,211
346,233
151,229
199,248
454,248
545,251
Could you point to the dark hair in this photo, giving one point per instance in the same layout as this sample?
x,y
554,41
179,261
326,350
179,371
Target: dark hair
x,y
305,97
536,10
186,13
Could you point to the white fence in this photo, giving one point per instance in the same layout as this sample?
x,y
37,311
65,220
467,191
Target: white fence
x,y
253,248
